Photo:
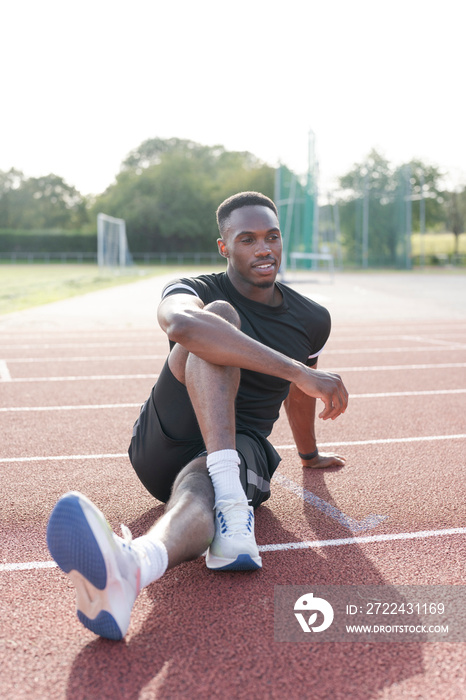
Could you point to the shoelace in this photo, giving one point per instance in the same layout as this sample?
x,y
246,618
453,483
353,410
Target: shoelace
x,y
128,543
235,518
127,536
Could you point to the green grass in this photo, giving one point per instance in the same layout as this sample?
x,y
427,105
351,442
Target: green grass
x,y
438,244
25,286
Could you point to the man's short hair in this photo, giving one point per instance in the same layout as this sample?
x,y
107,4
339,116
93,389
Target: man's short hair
x,y
242,199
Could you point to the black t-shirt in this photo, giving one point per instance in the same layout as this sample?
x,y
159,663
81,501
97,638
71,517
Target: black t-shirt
x,y
298,328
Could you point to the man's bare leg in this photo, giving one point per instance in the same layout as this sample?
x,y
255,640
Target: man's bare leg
x,y
187,526
212,388
108,572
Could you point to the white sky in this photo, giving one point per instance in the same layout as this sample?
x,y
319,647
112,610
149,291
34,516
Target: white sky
x,y
83,83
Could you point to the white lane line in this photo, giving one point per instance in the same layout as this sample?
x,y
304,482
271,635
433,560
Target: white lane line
x,y
47,335
340,351
394,368
432,328
368,523
368,539
25,566
433,341
383,441
340,331
336,337
456,334
94,358
104,344
386,441
84,407
62,458
84,378
410,350
101,406
453,328
427,392
413,325
287,546
5,375
340,370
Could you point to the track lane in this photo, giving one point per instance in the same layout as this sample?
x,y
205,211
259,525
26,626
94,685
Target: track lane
x,y
109,430
163,661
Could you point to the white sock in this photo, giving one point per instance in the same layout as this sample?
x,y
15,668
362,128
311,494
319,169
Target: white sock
x,y
154,561
224,471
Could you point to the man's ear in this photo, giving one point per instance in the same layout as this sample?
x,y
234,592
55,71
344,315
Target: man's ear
x,y
222,248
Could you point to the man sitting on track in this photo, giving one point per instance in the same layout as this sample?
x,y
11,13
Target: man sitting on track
x,y
241,345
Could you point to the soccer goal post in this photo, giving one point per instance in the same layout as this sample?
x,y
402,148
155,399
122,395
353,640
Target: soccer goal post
x,y
112,244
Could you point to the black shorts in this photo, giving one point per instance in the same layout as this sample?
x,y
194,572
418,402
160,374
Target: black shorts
x,y
166,437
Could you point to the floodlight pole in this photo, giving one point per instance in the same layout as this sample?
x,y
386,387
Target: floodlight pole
x,y
288,221
422,222
100,241
336,221
409,224
312,184
122,251
365,223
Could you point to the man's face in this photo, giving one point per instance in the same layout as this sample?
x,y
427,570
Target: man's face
x,y
252,244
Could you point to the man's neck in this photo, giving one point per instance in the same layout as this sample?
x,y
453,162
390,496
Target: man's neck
x,y
270,296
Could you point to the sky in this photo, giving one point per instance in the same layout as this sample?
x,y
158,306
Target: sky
x,y
84,83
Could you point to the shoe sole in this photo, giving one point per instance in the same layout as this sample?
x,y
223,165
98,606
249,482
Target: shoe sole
x,y
78,552
243,562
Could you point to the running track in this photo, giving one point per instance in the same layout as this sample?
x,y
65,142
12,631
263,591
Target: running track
x,y
72,378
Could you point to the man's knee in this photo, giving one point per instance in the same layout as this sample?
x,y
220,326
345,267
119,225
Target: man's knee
x,y
225,310
179,356
195,479
196,468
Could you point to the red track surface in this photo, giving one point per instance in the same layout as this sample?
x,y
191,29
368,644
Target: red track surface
x,y
199,634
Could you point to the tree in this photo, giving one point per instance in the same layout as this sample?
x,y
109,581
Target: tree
x,y
379,207
426,184
10,183
367,216
168,191
45,202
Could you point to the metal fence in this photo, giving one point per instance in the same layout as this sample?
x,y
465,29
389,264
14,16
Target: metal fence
x,y
144,258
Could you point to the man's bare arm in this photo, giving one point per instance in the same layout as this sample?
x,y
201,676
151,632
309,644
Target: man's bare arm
x,y
301,410
210,337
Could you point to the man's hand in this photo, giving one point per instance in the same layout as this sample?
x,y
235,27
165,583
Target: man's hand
x,y
324,460
328,387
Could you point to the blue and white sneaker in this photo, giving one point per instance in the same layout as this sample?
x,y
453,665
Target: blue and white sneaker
x,y
105,569
234,546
